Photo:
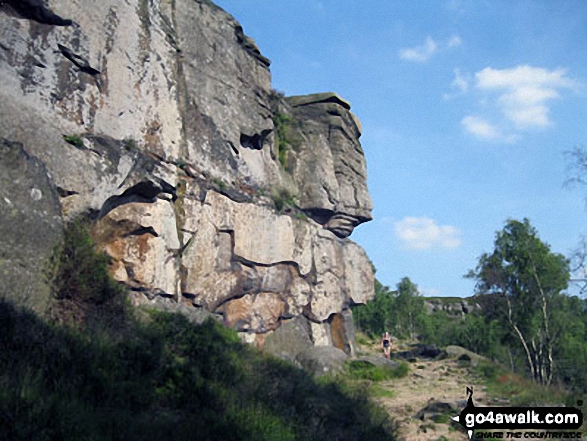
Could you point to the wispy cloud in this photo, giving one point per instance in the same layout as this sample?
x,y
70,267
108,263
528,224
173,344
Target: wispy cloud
x,y
423,52
521,94
454,41
459,86
422,233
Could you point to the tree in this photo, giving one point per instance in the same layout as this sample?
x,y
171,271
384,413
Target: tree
x,y
409,305
376,316
529,278
577,176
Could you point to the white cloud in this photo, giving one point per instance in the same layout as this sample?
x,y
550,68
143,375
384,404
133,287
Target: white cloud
x,y
422,233
478,126
420,53
454,41
485,130
521,94
524,92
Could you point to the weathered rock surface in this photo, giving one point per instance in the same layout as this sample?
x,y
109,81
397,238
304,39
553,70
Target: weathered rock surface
x,y
454,309
209,191
30,222
463,354
378,360
322,360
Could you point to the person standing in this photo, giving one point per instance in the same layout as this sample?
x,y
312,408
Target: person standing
x,y
386,344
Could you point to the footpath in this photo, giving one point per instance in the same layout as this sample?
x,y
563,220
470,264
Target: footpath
x,y
432,392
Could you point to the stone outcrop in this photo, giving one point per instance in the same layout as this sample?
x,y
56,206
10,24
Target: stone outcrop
x,y
452,308
210,191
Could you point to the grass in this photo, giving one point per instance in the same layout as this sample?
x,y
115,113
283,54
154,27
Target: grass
x,y
378,391
80,281
362,370
503,384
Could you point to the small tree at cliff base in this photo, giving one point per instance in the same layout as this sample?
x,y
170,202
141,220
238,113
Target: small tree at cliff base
x,y
529,278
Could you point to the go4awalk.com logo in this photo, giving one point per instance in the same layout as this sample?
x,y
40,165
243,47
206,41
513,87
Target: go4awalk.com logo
x,y
509,422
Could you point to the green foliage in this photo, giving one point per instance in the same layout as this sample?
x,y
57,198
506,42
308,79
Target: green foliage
x,y
129,143
362,370
377,391
165,378
219,183
283,200
301,216
281,122
399,312
74,140
530,279
519,391
79,277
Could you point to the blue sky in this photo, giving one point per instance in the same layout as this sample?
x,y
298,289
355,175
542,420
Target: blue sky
x,y
467,108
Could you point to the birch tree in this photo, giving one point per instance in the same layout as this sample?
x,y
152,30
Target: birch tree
x,y
529,278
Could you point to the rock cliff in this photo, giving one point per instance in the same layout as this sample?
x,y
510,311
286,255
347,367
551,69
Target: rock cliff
x,y
209,190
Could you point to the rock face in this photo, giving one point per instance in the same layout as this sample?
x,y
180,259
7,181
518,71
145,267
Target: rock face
x,y
453,309
210,191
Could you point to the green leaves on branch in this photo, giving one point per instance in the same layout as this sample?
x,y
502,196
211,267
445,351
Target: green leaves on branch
x,y
530,279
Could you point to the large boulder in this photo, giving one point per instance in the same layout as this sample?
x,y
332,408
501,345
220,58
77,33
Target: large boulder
x,y
322,360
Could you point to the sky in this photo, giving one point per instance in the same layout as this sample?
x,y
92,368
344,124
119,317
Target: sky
x,y
467,108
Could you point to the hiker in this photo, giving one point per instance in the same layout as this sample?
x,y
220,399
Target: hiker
x,y
386,344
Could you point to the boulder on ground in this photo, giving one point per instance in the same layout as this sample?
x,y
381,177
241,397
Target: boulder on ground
x,y
290,339
322,360
378,361
435,410
463,354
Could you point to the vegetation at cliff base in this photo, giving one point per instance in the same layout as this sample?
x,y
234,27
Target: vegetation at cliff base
x,y
100,371
165,378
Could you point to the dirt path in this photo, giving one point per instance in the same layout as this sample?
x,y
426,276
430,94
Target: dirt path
x,y
429,382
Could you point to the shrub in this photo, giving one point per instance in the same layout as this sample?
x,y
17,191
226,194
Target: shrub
x,y
167,379
129,143
74,140
281,122
79,277
283,200
219,183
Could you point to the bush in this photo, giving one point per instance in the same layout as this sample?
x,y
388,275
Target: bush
x,y
79,277
283,200
281,122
